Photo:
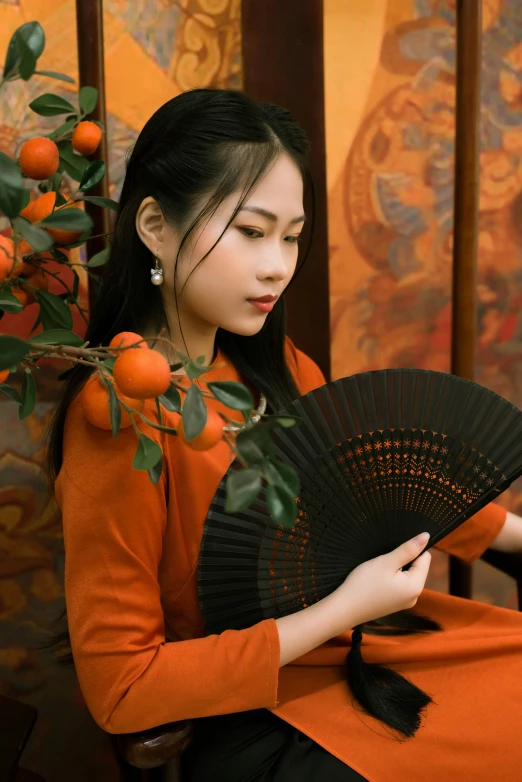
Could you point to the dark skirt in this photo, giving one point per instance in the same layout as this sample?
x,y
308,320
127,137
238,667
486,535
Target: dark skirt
x,y
257,746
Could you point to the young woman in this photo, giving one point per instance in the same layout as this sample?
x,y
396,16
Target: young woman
x,y
213,199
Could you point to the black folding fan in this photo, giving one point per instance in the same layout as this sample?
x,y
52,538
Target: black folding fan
x,y
381,457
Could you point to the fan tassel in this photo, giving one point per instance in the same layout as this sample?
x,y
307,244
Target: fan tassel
x,y
384,693
401,623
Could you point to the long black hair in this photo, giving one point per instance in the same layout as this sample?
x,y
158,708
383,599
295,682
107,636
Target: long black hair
x,y
202,145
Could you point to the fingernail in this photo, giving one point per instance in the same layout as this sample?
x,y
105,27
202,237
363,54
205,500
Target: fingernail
x,y
422,538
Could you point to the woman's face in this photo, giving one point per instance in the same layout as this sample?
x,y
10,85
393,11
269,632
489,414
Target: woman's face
x,y
255,258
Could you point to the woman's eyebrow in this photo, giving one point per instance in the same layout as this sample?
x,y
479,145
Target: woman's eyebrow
x,y
270,215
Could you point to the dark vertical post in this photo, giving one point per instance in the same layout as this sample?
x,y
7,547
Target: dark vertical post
x,y
89,27
283,64
467,149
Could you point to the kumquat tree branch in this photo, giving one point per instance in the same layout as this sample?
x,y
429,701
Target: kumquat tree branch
x,y
42,222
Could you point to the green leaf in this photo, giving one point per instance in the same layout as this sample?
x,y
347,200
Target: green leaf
x,y
29,36
26,197
76,285
63,129
9,303
12,191
49,105
28,395
27,60
286,421
54,311
243,486
254,443
233,395
195,370
88,98
283,475
37,323
12,350
56,75
54,183
60,199
283,509
108,203
171,400
37,238
61,257
109,363
69,219
72,164
115,409
100,259
248,449
194,413
155,472
160,427
92,175
147,454
58,337
11,393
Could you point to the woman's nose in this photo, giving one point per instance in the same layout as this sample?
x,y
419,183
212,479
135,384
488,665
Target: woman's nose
x,y
275,266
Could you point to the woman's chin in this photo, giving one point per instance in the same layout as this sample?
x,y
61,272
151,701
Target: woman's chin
x,y
244,328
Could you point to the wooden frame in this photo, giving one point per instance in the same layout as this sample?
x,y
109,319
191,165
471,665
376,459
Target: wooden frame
x,y
91,68
465,231
283,64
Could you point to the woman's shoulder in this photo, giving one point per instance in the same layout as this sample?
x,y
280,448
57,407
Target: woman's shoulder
x,y
93,454
306,372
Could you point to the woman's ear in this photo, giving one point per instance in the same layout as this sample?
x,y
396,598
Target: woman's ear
x,y
151,225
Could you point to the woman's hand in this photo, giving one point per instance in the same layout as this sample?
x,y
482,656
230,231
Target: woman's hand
x,y
379,587
374,589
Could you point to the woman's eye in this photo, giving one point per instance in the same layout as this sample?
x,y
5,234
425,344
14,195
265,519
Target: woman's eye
x,y
294,239
251,233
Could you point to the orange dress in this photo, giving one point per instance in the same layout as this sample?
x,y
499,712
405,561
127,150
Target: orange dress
x,y
142,658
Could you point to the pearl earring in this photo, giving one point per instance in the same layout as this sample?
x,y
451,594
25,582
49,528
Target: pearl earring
x,y
156,275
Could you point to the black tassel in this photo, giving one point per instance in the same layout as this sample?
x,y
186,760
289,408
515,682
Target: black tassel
x,y
401,623
384,693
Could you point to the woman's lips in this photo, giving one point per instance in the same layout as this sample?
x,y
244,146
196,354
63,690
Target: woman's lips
x,y
262,306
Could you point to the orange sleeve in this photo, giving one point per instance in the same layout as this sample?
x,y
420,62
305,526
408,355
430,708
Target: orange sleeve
x,y
131,679
306,373
472,538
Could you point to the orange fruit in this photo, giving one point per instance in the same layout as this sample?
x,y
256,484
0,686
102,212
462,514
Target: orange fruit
x,y
26,212
96,404
125,339
86,138
210,435
38,280
60,235
142,374
39,158
21,295
24,248
4,374
40,208
10,266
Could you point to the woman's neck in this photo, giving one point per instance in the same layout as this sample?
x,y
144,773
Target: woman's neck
x,y
193,343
